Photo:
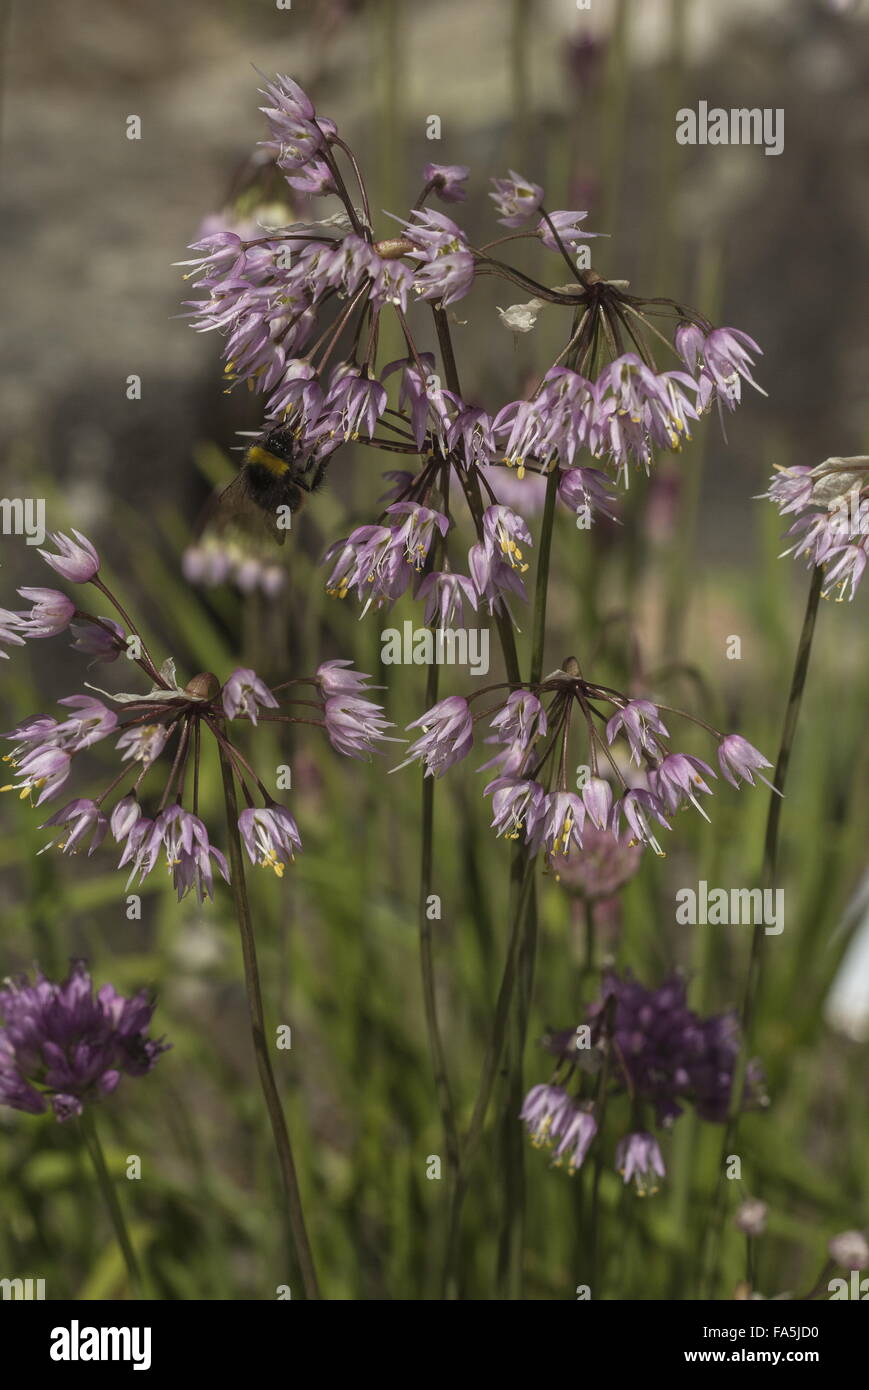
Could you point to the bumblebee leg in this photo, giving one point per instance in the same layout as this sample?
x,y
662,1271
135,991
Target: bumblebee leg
x,y
315,481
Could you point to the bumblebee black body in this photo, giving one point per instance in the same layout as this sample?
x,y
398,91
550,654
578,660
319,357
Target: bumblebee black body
x,y
269,483
273,476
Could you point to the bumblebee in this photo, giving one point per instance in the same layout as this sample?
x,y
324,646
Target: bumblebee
x,y
275,480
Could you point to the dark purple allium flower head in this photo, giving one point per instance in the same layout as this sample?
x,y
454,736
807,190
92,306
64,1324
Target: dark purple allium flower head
x,y
651,1048
667,1054
63,1046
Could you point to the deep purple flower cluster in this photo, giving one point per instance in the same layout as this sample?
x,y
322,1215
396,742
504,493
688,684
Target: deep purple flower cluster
x,y
63,1046
667,1054
655,1050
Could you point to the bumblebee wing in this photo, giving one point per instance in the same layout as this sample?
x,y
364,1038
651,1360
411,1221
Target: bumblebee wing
x,y
235,510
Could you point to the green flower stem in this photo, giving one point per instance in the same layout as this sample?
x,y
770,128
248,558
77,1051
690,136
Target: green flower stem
x,y
519,871
523,879
769,872
435,1037
260,1043
88,1128
513,1220
443,1089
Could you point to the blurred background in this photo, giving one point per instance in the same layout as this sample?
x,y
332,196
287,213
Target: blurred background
x,y
583,102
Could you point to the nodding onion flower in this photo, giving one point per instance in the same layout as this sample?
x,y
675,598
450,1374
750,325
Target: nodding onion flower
x,y
160,735
534,796
831,505
601,409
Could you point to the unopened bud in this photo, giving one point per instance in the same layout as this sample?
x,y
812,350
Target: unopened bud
x,y
205,686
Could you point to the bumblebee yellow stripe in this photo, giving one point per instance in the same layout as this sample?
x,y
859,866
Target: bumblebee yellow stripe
x,y
256,454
